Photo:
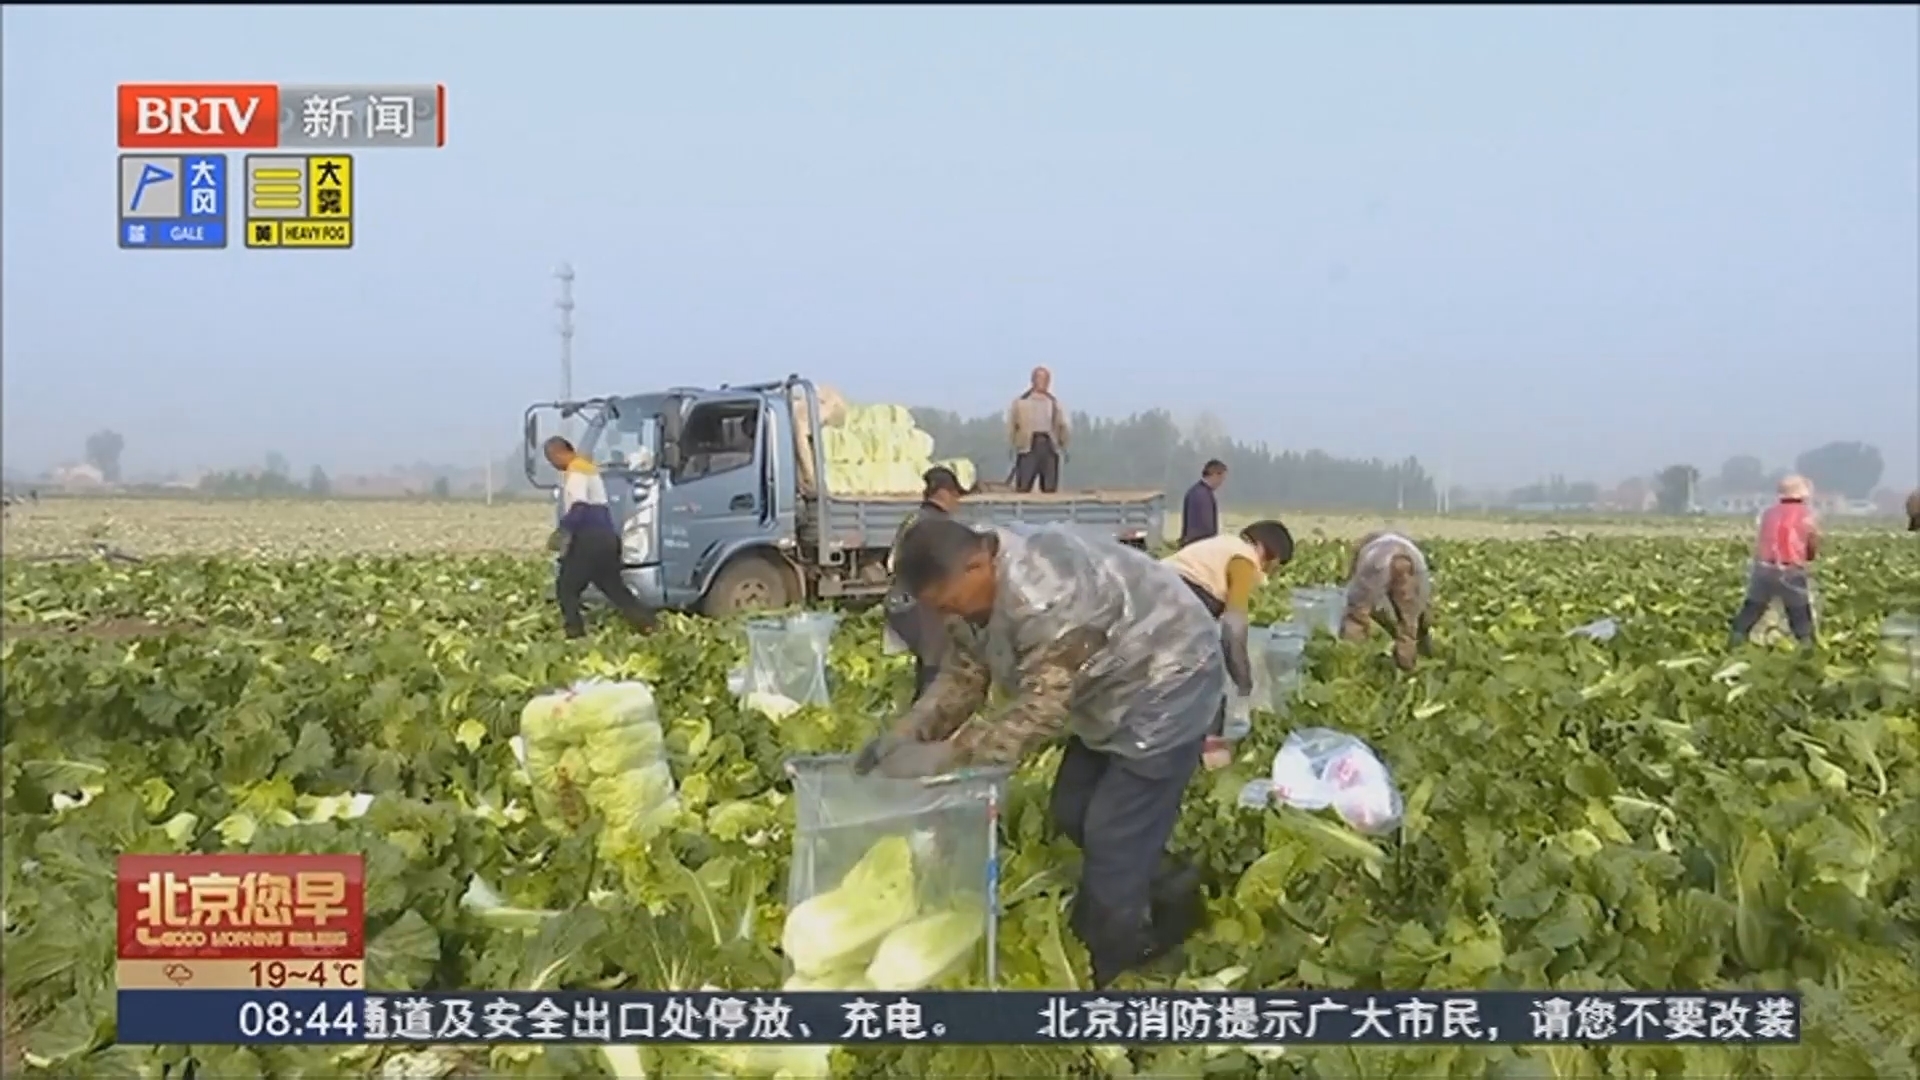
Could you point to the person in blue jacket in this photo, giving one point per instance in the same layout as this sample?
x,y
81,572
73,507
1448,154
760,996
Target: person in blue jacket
x,y
1200,510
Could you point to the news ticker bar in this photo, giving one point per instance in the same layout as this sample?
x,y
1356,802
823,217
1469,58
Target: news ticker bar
x,y
239,1017
273,116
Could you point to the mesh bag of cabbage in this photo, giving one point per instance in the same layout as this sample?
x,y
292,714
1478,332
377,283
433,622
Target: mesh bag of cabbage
x,y
597,748
787,656
892,883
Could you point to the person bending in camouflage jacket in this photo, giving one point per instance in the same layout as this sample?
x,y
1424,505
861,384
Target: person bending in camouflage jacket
x,y
1388,583
1094,640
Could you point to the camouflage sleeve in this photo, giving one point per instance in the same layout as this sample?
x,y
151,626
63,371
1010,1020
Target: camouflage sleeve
x,y
957,692
1040,712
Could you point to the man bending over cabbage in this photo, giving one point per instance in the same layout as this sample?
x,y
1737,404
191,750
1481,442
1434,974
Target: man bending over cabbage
x,y
1095,641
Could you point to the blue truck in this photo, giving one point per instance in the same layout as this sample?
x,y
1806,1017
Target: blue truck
x,y
722,498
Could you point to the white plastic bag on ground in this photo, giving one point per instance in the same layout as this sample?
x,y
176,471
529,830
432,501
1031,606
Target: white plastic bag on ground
x,y
1602,629
1319,767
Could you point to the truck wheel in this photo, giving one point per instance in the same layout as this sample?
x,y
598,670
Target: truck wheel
x,y
748,583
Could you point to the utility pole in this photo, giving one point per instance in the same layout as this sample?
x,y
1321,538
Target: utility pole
x,y
565,304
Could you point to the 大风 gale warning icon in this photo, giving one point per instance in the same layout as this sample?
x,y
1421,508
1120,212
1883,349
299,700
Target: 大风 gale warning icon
x,y
173,201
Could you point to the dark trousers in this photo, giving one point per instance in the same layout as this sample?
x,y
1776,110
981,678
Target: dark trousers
x,y
593,558
1787,584
1041,463
1133,904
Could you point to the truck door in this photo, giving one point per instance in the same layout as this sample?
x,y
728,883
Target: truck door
x,y
717,494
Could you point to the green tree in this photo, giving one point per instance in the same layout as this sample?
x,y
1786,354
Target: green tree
x,y
1673,490
1742,474
1846,468
1150,451
103,452
318,484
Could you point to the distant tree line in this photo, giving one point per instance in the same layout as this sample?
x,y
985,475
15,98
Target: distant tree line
x,y
1848,469
1150,451
1556,491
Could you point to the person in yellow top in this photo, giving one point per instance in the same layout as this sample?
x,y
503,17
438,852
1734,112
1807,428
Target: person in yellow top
x,y
1224,571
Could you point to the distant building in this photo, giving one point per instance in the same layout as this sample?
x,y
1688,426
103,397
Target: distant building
x,y
78,477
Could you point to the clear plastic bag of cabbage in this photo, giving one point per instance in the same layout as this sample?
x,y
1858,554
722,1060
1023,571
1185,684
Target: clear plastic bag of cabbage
x,y
891,883
598,748
787,656
1319,608
1899,664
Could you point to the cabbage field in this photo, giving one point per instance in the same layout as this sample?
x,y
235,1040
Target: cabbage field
x,y
1650,812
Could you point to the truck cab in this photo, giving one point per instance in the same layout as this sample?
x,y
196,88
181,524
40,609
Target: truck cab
x,y
722,499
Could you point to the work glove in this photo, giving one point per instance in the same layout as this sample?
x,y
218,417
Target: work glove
x,y
878,747
1233,644
916,759
1403,655
911,759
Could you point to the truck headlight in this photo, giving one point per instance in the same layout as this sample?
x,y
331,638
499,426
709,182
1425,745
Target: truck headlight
x,y
637,536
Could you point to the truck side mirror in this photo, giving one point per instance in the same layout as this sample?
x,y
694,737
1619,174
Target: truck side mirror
x,y
532,432
672,426
672,423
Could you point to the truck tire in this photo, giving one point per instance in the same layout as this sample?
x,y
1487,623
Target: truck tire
x,y
748,583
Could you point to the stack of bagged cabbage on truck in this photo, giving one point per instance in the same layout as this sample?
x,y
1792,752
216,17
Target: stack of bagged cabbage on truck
x,y
872,449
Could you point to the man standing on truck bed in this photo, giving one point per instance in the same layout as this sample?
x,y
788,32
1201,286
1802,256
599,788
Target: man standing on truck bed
x,y
1038,427
1200,510
1096,641
920,628
588,542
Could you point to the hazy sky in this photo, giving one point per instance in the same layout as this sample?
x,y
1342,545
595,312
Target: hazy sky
x,y
1511,241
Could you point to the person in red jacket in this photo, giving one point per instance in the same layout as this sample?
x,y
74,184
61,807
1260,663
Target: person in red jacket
x,y
1788,541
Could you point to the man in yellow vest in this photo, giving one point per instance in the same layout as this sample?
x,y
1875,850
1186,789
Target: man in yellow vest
x,y
1224,571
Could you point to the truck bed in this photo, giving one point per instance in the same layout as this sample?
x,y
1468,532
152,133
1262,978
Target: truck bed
x,y
854,522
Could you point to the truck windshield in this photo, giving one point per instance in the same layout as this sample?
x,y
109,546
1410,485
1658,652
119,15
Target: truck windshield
x,y
618,443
